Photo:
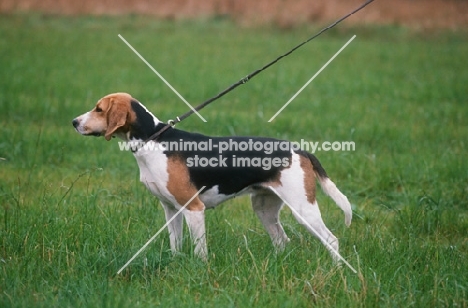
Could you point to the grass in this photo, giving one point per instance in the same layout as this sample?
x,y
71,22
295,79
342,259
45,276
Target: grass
x,y
73,212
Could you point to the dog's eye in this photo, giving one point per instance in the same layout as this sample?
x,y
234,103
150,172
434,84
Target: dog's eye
x,y
98,109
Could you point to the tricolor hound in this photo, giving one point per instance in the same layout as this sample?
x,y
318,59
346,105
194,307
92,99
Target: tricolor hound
x,y
176,165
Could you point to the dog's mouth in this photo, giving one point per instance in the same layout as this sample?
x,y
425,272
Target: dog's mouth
x,y
95,134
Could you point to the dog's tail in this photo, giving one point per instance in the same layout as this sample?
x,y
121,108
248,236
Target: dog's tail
x,y
330,188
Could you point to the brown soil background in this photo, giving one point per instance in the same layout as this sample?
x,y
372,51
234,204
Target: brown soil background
x,y
425,14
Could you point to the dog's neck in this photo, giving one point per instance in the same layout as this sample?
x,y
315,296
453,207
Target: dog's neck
x,y
145,125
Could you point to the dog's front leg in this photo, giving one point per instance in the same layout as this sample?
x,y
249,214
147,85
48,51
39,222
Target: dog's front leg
x,y
196,222
175,227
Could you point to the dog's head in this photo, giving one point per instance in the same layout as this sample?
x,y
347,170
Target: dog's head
x,y
112,115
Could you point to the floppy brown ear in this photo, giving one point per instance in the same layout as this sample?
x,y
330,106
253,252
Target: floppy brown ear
x,y
116,118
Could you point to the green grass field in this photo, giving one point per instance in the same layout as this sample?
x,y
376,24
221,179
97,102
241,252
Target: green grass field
x,y
73,211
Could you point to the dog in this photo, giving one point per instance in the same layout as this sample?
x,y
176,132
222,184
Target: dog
x,y
176,165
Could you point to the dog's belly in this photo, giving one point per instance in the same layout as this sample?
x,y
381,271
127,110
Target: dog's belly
x,y
211,197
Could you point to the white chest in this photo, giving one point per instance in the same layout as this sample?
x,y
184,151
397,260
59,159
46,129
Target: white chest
x,y
153,172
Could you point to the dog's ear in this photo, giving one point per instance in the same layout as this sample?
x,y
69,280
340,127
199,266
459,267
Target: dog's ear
x,y
116,117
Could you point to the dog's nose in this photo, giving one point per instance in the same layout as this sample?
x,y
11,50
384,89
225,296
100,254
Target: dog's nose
x,y
75,122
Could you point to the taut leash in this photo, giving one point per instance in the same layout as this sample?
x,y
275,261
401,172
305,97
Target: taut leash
x,y
244,80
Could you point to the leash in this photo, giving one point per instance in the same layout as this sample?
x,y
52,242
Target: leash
x,y
244,80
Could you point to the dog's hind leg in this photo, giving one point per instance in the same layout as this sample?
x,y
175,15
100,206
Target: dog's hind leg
x,y
175,227
267,207
297,188
309,216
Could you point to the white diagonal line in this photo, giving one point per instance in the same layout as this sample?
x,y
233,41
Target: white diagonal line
x,y
160,230
313,77
315,232
160,76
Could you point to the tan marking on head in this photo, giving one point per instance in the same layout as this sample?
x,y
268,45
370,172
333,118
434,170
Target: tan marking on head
x,y
118,112
112,113
309,178
180,186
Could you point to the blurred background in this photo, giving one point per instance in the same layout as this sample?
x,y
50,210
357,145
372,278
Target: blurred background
x,y
417,13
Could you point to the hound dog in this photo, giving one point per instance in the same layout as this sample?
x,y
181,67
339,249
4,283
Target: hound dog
x,y
179,163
